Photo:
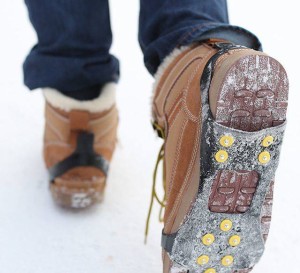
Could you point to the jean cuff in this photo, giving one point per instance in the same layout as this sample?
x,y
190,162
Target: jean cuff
x,y
234,34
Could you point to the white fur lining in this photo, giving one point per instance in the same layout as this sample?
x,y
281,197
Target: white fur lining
x,y
105,101
165,63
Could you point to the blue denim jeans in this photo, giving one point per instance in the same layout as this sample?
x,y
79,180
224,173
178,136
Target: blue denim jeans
x,y
74,39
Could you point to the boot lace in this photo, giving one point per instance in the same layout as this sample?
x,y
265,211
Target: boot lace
x,y
154,195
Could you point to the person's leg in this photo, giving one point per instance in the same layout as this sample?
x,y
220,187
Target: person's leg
x,y
165,25
72,65
72,53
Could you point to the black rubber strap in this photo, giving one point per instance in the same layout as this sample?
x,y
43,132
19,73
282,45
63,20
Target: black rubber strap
x,y
83,156
167,241
205,82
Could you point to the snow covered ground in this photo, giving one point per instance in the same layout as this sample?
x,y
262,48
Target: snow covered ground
x,y
37,236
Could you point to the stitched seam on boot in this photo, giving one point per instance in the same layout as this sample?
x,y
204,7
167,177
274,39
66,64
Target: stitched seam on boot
x,y
104,118
180,74
187,178
174,120
178,146
195,149
170,118
58,143
58,116
202,57
56,132
106,131
197,140
186,89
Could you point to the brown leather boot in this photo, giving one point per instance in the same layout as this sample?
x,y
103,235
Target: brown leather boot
x,y
221,110
79,141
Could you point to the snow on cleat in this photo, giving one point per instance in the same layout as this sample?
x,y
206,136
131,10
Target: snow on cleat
x,y
238,242
244,101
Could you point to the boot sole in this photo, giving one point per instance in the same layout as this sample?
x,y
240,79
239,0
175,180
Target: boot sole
x,y
76,197
228,224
